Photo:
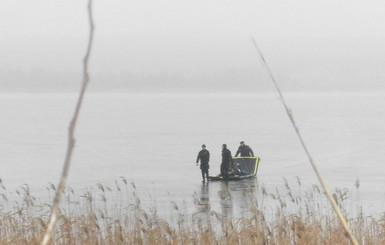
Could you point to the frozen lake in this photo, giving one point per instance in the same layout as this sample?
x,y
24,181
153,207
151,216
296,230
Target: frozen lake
x,y
153,139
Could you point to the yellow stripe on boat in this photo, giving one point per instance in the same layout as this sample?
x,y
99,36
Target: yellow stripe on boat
x,y
256,165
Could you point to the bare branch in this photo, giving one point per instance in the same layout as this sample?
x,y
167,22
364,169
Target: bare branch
x,y
71,135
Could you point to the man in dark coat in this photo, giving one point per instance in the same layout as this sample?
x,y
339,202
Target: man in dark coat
x,y
245,150
204,157
226,160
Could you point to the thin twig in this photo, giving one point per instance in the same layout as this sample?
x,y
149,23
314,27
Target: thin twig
x,y
71,135
323,184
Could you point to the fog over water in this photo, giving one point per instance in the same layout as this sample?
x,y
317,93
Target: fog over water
x,y
167,76
193,45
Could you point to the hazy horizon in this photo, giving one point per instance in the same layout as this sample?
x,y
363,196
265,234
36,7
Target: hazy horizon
x,y
194,45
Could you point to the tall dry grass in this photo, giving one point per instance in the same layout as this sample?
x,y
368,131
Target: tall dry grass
x,y
115,215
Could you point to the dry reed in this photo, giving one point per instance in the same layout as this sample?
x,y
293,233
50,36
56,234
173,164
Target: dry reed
x,y
115,215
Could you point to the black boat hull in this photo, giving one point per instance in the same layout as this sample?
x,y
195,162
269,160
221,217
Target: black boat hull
x,y
234,177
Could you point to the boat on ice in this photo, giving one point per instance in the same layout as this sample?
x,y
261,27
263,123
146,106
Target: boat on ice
x,y
240,168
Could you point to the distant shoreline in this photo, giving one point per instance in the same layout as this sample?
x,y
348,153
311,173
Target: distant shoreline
x,y
208,92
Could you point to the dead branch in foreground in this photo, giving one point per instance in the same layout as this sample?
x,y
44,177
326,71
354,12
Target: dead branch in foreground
x,y
71,134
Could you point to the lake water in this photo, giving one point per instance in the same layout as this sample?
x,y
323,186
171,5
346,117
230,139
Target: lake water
x,y
152,140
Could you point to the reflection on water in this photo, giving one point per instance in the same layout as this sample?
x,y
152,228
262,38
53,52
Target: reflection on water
x,y
202,202
225,200
232,198
204,198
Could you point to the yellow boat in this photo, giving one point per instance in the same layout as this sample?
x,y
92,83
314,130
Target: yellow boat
x,y
240,168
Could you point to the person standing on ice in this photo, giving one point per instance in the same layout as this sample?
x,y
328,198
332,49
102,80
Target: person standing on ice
x,y
226,160
204,157
244,150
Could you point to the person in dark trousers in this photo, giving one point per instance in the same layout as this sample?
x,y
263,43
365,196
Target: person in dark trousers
x,y
244,150
226,161
204,157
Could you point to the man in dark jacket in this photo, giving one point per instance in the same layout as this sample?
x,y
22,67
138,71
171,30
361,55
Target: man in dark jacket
x,y
245,150
204,157
226,160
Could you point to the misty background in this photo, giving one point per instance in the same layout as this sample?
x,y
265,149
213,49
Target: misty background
x,y
198,46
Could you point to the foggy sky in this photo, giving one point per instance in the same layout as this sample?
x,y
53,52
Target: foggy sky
x,y
308,44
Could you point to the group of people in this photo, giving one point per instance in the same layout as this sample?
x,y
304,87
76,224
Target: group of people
x,y
204,158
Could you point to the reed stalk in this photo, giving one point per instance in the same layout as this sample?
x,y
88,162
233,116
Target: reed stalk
x,y
313,164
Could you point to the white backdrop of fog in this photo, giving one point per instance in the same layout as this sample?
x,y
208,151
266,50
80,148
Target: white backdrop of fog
x,y
193,45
